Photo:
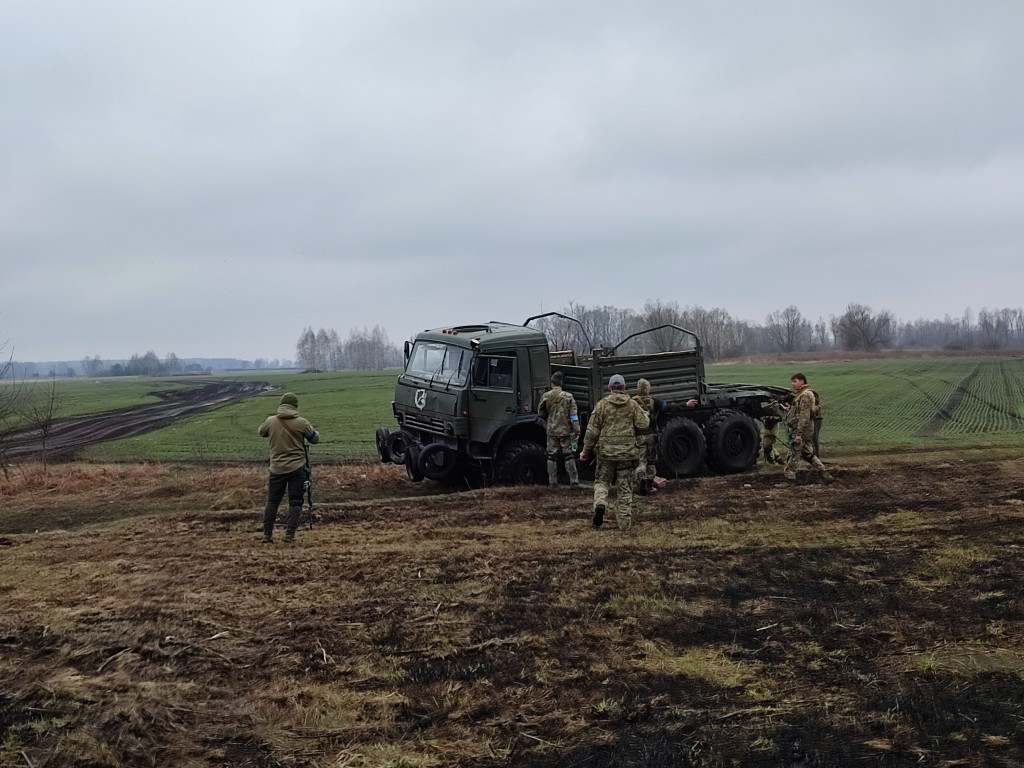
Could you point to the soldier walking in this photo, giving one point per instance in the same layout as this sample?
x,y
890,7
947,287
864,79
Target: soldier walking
x,y
611,432
800,421
558,407
647,439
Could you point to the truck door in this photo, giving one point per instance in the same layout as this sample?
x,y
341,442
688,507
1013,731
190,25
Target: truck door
x,y
493,399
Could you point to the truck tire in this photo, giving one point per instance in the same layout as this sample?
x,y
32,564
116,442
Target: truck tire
x,y
437,462
412,464
383,452
398,446
733,442
521,462
681,449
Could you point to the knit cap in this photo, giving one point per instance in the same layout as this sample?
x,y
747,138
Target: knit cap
x,y
289,399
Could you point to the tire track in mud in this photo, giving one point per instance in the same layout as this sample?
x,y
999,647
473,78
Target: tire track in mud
x,y
67,437
946,411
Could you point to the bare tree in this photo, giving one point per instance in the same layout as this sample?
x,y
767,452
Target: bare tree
x,y
787,329
859,329
42,409
305,349
12,398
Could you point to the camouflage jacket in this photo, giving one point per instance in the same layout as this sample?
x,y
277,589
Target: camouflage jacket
x,y
816,409
650,406
559,408
613,426
799,417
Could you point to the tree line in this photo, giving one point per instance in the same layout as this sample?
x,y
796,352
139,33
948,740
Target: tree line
x,y
364,349
857,328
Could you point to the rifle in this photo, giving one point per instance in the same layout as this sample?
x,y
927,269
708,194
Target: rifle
x,y
307,484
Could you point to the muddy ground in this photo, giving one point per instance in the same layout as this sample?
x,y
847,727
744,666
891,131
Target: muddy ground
x,y
744,621
67,437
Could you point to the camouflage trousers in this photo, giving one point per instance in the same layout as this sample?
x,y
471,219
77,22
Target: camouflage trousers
x,y
804,452
620,476
561,445
771,445
647,468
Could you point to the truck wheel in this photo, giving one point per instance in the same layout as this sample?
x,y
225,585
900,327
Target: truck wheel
x,y
733,442
521,462
681,449
398,446
383,453
437,462
412,464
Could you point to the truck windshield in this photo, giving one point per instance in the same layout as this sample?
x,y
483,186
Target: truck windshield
x,y
442,362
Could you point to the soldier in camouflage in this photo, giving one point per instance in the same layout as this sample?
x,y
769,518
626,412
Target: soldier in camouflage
x,y
800,421
771,446
647,439
611,432
558,407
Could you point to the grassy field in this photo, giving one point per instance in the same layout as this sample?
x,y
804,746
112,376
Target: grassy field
x,y
931,403
347,408
919,404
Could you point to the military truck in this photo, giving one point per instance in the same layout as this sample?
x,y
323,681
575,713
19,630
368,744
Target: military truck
x,y
466,403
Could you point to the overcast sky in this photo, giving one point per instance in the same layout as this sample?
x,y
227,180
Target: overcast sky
x,y
209,178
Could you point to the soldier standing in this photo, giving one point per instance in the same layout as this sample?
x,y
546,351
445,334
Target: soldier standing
x,y
816,420
558,407
286,430
611,431
647,439
770,421
800,421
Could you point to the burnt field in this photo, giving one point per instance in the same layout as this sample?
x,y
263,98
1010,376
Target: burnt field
x,y
743,621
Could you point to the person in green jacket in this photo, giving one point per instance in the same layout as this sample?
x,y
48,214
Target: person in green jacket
x,y
611,432
287,431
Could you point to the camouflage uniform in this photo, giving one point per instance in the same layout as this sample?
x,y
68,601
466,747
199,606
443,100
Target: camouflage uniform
x,y
800,422
647,439
816,420
563,427
612,431
770,443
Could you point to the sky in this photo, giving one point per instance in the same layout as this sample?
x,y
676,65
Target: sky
x,y
209,178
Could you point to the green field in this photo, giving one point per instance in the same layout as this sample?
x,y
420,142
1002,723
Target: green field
x,y
347,408
873,404
869,405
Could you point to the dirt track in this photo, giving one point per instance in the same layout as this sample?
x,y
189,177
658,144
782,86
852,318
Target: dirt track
x,y
744,621
69,436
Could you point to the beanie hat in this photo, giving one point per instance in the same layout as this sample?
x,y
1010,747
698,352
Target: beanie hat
x,y
617,381
643,387
556,378
289,399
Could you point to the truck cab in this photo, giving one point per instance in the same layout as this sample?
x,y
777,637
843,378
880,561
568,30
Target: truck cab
x,y
467,399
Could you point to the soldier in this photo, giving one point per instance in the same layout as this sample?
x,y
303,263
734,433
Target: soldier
x,y
800,422
612,433
647,439
286,430
558,407
816,420
770,443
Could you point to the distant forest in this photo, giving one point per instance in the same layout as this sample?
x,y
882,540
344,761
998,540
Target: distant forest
x,y
785,331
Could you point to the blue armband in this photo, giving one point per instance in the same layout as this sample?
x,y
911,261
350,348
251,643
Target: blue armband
x,y
574,417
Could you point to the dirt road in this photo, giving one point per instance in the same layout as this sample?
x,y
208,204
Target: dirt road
x,y
69,436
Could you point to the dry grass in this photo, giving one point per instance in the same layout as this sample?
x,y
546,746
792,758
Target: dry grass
x,y
744,621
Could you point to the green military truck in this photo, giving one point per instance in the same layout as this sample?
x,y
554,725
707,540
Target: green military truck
x,y
466,404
